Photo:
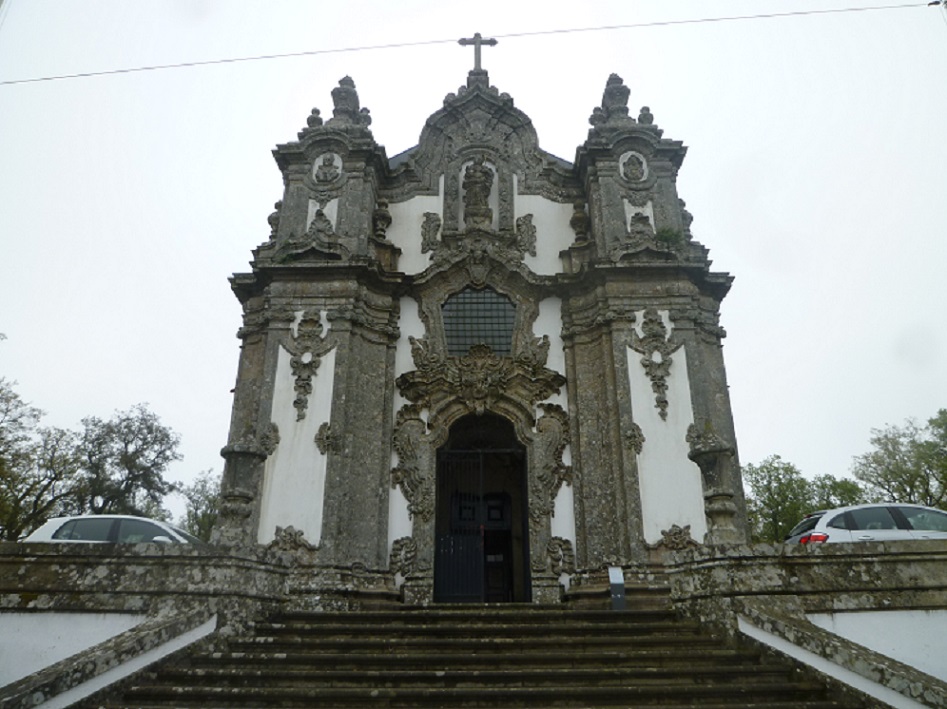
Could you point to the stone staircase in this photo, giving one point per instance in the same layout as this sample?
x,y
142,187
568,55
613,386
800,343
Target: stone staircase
x,y
478,656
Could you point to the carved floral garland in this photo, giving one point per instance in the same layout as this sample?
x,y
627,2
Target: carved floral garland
x,y
657,348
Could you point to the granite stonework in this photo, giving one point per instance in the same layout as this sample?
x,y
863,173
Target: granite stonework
x,y
741,589
728,588
477,204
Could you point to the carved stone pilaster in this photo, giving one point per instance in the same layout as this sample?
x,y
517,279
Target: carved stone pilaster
x,y
657,348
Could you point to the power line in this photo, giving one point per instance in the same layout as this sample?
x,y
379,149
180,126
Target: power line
x,y
422,43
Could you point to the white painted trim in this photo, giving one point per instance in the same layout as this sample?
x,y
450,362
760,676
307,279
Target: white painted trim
x,y
81,691
825,666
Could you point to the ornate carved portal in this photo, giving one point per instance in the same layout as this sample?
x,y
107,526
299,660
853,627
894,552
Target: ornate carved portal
x,y
481,390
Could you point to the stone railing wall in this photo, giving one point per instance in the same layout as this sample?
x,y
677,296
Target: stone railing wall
x,y
773,588
175,588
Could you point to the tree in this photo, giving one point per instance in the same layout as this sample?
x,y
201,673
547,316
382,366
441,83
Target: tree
x,y
778,498
907,463
828,491
38,466
114,466
203,502
124,462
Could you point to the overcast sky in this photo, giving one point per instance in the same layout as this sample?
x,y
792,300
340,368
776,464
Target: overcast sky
x,y
816,173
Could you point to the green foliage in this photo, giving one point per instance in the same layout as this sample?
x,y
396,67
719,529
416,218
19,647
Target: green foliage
x,y
907,463
203,503
828,491
778,497
113,466
669,237
124,462
38,466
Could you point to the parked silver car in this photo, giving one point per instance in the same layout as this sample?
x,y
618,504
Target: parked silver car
x,y
116,529
870,523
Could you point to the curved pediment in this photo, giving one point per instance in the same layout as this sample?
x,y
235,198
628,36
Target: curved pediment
x,y
480,122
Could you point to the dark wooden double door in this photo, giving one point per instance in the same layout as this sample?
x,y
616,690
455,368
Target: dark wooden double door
x,y
482,547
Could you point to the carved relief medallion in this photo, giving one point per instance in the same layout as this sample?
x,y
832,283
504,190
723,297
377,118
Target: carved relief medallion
x,y
326,169
633,167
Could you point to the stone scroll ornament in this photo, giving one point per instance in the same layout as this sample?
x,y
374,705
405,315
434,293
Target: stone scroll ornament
x,y
307,348
560,556
414,479
552,437
657,348
677,538
404,556
327,440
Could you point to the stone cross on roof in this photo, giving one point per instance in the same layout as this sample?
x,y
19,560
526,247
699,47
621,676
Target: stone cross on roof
x,y
477,41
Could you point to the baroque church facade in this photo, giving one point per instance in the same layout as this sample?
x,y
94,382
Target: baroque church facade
x,y
475,368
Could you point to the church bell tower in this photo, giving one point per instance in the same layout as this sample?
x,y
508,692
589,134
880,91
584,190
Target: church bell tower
x,y
474,368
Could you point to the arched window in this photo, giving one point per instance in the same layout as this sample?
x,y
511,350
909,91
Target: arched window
x,y
478,317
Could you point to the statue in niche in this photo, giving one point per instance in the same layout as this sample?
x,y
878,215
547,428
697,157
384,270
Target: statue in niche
x,y
327,171
478,183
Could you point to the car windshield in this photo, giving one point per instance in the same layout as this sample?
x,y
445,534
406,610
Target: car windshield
x,y
805,525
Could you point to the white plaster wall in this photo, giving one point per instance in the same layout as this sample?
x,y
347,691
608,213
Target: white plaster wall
x,y
399,522
294,475
331,210
405,229
31,641
631,210
916,638
670,484
553,233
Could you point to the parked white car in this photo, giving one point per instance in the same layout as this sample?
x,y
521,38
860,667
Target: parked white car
x,y
870,523
116,529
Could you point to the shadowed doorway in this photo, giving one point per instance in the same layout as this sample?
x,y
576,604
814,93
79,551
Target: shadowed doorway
x,y
481,529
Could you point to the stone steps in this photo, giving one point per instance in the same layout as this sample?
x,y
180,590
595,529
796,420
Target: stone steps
x,y
478,656
630,658
784,694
